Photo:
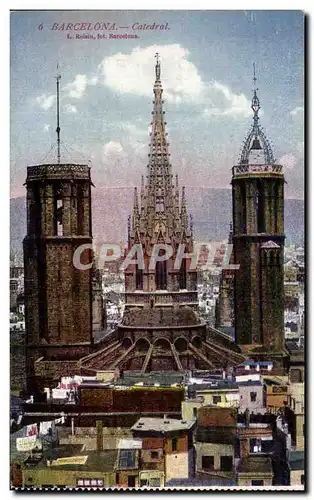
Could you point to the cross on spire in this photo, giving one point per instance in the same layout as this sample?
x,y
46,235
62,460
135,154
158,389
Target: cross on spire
x,y
255,100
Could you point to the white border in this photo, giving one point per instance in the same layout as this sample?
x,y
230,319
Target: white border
x,y
305,5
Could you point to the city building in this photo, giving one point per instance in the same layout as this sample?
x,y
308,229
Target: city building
x,y
276,393
255,438
86,470
294,413
222,393
252,396
255,471
215,441
167,446
116,402
296,468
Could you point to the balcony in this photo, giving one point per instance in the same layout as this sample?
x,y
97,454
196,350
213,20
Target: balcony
x,y
257,169
162,298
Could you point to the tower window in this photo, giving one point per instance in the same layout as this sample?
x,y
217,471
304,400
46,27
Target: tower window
x,y
59,213
139,278
260,208
182,275
243,209
275,205
80,210
161,275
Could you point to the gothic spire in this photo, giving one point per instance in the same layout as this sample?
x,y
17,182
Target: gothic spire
x,y
256,148
159,169
159,195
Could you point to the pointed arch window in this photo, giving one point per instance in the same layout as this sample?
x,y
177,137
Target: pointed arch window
x,y
58,211
138,278
243,208
275,203
161,275
182,275
260,207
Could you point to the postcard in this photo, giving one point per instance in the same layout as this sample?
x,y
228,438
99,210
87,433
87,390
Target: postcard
x,y
157,250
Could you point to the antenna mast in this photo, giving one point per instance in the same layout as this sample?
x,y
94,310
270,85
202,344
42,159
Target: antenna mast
x,y
58,77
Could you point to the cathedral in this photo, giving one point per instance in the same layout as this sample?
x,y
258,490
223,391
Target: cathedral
x,y
161,329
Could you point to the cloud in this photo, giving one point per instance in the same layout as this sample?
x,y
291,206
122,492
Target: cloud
x,y
133,130
46,127
134,74
93,80
296,111
288,161
69,108
77,88
135,137
300,147
113,148
227,103
46,101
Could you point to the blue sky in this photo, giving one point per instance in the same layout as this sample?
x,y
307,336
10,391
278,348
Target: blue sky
x,y
106,92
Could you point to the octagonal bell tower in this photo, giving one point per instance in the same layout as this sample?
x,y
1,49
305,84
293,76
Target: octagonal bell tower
x,y
258,239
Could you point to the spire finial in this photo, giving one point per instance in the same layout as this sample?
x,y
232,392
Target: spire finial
x,y
157,67
255,100
256,139
254,77
58,78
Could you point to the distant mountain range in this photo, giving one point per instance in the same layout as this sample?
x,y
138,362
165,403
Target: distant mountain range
x,y
211,210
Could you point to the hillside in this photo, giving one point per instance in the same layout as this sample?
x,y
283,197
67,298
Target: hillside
x,y
211,210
